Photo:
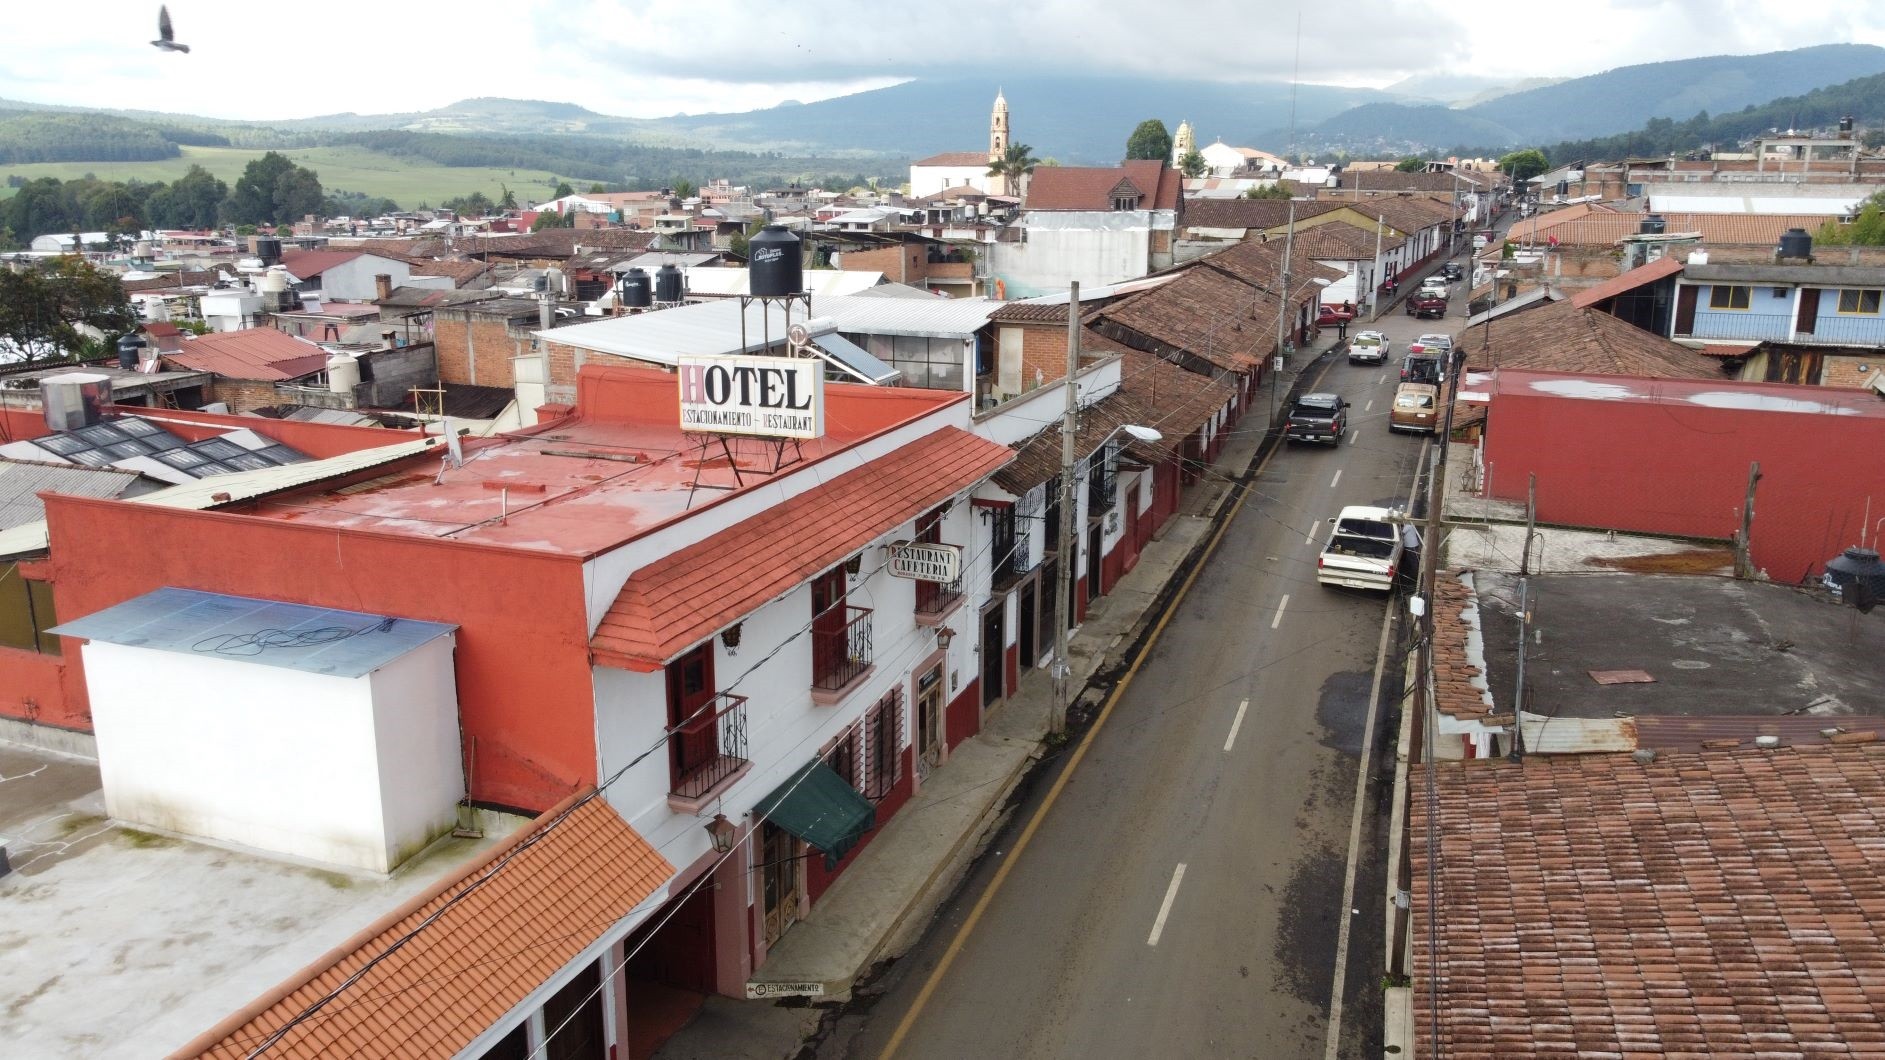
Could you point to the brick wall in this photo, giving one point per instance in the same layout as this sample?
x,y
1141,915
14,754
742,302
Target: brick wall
x,y
899,264
477,348
244,395
1043,349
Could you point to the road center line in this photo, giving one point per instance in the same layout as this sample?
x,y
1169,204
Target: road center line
x,y
1382,378
1336,479
1352,436
1236,723
1309,538
1369,407
1165,907
1280,605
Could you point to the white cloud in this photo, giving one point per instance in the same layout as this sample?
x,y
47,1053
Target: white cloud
x,y
261,60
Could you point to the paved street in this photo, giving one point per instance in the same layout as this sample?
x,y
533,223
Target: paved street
x,y
1182,895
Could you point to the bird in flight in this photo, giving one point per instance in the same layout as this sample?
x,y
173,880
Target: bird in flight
x,y
167,37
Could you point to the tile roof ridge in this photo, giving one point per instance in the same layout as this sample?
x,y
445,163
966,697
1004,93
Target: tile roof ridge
x,y
276,994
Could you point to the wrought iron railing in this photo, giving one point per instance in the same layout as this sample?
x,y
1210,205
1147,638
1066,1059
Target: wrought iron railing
x,y
840,652
708,747
933,598
1102,492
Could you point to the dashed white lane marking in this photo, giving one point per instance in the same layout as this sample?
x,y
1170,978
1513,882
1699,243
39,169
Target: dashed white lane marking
x,y
1382,378
1369,407
1236,723
1280,605
1165,907
1352,437
1336,479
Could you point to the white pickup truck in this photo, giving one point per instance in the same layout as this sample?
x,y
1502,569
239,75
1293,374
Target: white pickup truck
x,y
1368,551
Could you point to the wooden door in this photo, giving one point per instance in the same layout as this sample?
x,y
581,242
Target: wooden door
x,y
929,720
1027,631
828,620
690,713
1094,539
779,873
994,638
1685,310
1809,310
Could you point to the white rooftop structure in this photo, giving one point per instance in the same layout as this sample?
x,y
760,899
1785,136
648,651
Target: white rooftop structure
x,y
1753,204
714,328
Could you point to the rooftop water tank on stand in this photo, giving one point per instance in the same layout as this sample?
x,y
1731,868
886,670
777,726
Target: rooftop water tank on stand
x,y
773,263
1652,225
1795,243
636,290
668,287
268,248
128,349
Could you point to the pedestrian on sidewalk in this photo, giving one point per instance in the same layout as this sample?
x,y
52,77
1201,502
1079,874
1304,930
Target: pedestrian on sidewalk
x,y
1341,331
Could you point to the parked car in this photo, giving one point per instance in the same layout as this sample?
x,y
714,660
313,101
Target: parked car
x,y
1317,418
1426,302
1435,340
1452,271
1369,347
1368,549
1436,282
1416,408
1330,315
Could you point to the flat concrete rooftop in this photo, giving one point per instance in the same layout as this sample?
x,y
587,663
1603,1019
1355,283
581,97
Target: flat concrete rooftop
x,y
116,942
1713,647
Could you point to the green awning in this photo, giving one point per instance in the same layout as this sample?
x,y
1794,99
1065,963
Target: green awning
x,y
816,805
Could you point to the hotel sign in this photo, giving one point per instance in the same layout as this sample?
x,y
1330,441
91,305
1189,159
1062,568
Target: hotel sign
x,y
767,397
928,563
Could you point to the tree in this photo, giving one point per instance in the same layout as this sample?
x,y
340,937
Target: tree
x,y
549,219
1868,229
1192,164
1272,190
1524,165
44,307
1410,164
508,200
563,190
1151,140
682,188
597,189
272,188
191,201
743,239
1015,165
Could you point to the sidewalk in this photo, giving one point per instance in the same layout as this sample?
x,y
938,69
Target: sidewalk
x,y
882,903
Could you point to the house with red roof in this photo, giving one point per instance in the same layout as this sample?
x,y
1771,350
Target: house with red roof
x,y
752,649
343,275
246,364
1091,224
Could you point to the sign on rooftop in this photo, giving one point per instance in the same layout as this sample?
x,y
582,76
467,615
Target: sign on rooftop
x,y
764,397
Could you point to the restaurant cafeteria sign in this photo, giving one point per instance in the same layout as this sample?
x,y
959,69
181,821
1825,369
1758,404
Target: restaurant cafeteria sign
x,y
768,397
927,563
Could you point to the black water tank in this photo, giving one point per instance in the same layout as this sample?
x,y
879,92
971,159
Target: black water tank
x,y
774,267
128,347
268,248
1857,577
1795,243
636,290
668,284
1652,225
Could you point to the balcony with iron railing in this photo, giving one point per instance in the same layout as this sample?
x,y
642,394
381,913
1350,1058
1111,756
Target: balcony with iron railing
x,y
1010,558
935,600
707,751
1102,493
841,652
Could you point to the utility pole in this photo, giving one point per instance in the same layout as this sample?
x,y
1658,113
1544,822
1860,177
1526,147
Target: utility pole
x,y
1518,694
1743,548
1063,573
1282,315
1531,522
1374,294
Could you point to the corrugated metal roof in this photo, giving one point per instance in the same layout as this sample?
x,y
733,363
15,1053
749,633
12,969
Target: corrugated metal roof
x,y
1100,221
21,483
736,281
242,485
317,640
713,328
252,353
1795,204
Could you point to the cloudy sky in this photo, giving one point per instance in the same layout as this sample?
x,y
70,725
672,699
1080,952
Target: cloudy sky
x,y
257,59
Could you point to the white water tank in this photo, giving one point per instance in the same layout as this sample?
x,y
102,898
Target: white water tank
x,y
274,280
343,373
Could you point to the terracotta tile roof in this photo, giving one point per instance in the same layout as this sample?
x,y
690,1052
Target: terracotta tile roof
x,y
461,272
1206,313
1561,337
1091,187
307,264
1153,393
1030,313
1722,903
1665,266
502,927
956,160
1459,683
687,596
1341,241
1390,179
1262,214
252,353
1260,265
1605,228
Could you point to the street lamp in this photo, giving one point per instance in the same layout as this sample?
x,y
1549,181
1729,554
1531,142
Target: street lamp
x,y
721,833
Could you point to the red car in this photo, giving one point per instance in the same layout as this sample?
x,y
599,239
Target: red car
x,y
1330,315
